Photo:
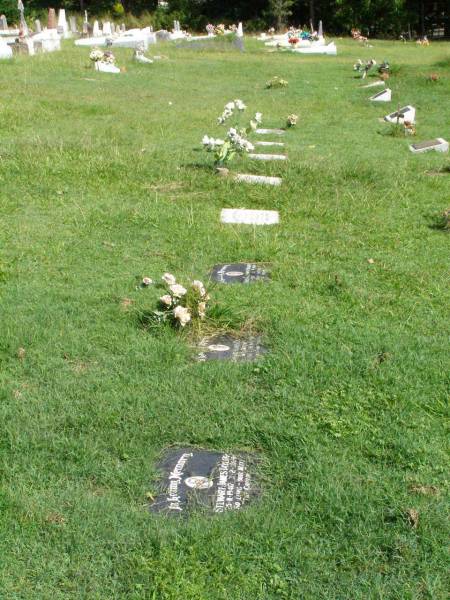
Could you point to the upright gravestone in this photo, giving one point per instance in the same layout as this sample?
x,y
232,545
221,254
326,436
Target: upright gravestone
x,y
407,113
239,273
51,21
320,33
73,25
62,27
38,26
3,23
209,481
96,29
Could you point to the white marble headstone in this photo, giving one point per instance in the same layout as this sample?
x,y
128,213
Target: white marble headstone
x,y
439,144
249,217
267,144
383,96
407,113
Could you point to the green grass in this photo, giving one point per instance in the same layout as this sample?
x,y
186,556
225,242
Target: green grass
x,y
101,183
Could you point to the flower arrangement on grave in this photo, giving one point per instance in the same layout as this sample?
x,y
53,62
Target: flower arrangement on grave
x,y
409,128
364,67
236,141
276,82
210,29
98,55
180,305
271,31
293,40
292,120
220,29
384,67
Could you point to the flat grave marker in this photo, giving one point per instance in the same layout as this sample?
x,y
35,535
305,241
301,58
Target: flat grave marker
x,y
261,143
374,84
407,113
239,273
270,131
267,156
249,216
196,478
383,96
439,144
228,348
263,179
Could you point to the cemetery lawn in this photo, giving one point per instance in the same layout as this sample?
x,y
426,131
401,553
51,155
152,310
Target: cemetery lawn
x,y
103,182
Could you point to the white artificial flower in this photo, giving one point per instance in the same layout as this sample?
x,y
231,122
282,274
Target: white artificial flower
x,y
205,140
177,290
240,105
182,314
230,106
146,281
258,117
166,299
198,285
169,278
201,309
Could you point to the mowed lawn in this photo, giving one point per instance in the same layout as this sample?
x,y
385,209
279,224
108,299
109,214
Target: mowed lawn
x,y
103,181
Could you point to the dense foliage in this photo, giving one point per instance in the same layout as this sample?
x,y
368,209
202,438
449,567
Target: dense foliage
x,y
373,17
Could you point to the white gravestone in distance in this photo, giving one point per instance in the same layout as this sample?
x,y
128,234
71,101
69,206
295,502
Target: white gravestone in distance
x,y
270,131
383,96
439,144
37,26
267,156
247,178
96,30
249,217
5,50
407,113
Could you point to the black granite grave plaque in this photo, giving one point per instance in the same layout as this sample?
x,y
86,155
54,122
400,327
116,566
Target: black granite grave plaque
x,y
226,347
197,478
428,144
239,273
399,114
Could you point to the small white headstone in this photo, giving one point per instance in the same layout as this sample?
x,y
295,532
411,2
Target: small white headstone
x,y
106,30
73,24
407,113
63,28
268,156
249,217
240,31
104,67
96,29
37,25
280,144
383,96
270,131
245,178
3,23
439,144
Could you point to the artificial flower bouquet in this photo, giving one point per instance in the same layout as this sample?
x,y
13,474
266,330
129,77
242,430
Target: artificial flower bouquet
x,y
292,120
180,305
236,141
276,82
364,67
98,55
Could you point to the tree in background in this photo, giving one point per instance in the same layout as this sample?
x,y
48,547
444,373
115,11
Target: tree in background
x,y
281,10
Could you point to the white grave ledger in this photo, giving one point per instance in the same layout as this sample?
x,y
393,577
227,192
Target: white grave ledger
x,y
280,144
247,178
439,144
407,113
249,216
269,131
383,96
268,156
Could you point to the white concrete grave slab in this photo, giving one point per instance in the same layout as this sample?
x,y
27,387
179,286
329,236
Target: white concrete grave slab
x,y
374,84
267,156
407,113
383,96
267,144
264,180
438,144
245,216
104,67
270,131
